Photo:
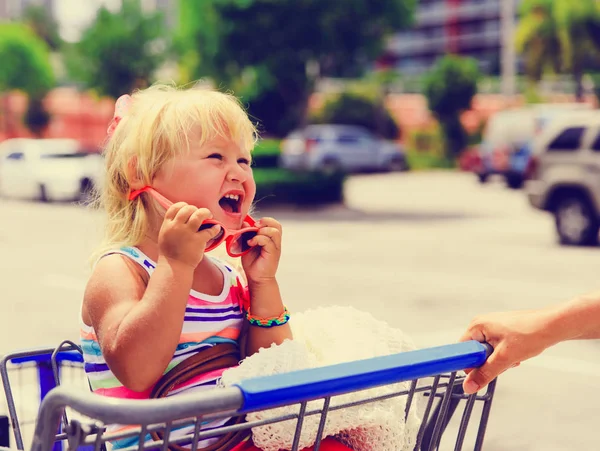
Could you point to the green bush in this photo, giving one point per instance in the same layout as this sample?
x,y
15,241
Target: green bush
x,y
477,136
353,108
266,153
281,186
426,141
419,161
449,88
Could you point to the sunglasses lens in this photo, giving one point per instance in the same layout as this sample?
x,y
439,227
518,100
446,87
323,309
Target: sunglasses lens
x,y
240,244
215,239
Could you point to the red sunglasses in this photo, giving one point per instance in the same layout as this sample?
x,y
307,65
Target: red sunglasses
x,y
236,242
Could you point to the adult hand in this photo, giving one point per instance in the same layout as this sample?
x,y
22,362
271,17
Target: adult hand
x,y
515,336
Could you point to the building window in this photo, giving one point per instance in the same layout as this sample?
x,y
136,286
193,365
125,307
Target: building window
x,y
472,27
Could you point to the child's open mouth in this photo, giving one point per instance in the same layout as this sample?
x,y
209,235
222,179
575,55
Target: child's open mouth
x,y
231,203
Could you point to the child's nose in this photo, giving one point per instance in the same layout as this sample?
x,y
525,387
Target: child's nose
x,y
236,174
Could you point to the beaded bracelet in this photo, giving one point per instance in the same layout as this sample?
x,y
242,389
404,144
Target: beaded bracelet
x,y
269,322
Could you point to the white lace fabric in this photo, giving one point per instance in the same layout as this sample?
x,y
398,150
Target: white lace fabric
x,y
328,336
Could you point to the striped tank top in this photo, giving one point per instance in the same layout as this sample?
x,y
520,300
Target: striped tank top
x,y
208,320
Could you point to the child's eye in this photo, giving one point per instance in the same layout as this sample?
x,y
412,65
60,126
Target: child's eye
x,y
244,161
218,156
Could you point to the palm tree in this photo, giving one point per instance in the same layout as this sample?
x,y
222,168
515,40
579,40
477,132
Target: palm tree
x,y
559,35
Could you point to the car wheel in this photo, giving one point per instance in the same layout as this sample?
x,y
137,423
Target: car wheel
x,y
576,221
43,194
514,181
398,164
86,192
330,166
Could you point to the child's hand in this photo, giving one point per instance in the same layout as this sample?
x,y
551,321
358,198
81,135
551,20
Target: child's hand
x,y
260,264
179,239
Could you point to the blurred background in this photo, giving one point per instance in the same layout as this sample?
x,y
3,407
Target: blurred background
x,y
429,160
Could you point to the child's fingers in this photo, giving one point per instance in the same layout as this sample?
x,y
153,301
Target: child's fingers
x,y
262,241
173,210
211,232
270,222
198,217
272,233
184,214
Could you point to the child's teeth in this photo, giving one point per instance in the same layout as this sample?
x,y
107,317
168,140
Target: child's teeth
x,y
233,196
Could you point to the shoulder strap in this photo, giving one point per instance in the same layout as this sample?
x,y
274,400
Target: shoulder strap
x,y
222,355
137,256
232,269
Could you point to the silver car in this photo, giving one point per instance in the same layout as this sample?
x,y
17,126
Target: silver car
x,y
330,148
565,176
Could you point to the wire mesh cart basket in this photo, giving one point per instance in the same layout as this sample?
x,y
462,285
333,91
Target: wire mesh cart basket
x,y
69,417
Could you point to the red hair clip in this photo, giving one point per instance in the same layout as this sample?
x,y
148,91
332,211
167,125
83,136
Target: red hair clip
x,y
122,106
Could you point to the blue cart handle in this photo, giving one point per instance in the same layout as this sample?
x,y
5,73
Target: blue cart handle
x,y
272,391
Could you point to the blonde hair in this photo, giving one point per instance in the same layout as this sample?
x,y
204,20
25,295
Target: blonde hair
x,y
154,130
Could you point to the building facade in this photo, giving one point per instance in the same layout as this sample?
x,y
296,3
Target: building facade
x,y
168,8
465,27
13,9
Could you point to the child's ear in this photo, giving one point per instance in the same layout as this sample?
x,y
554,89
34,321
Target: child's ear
x,y
134,174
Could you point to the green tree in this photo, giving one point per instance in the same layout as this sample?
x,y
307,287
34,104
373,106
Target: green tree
x,y
25,61
449,89
561,36
120,51
43,24
354,108
271,52
25,66
37,117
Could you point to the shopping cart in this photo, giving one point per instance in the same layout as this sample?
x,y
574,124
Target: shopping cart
x,y
431,374
28,376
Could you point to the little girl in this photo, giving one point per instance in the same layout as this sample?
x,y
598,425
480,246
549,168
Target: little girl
x,y
154,297
178,183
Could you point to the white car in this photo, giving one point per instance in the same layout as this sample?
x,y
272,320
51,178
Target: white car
x,y
330,148
48,170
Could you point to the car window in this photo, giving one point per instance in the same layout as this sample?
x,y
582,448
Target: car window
x,y
64,155
352,137
348,138
568,140
596,143
15,156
